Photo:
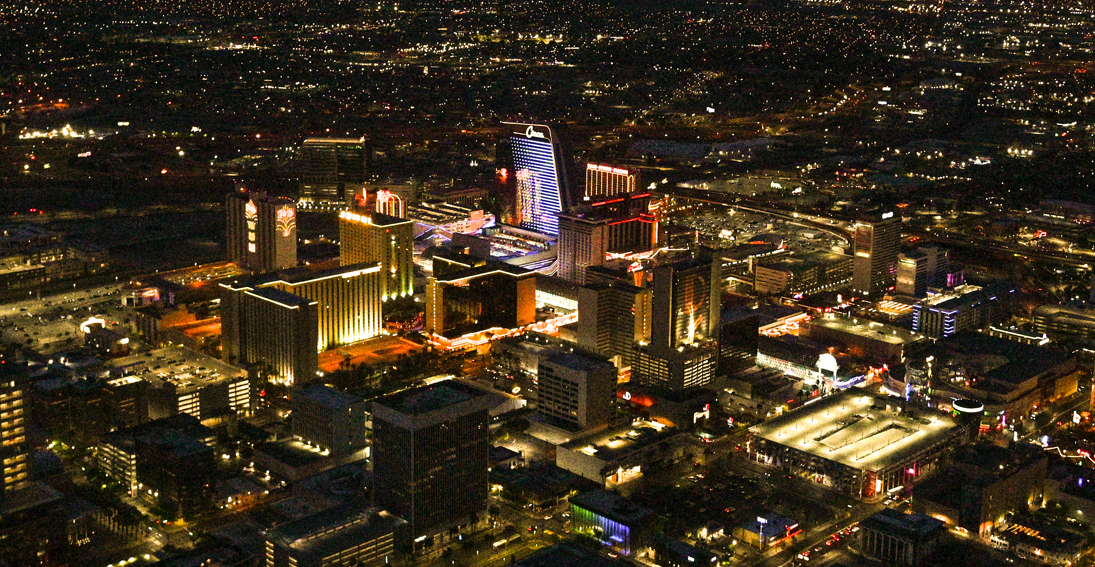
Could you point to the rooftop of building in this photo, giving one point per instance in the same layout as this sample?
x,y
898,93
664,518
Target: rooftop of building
x,y
428,399
1074,315
283,298
684,550
580,361
616,442
335,140
181,367
568,555
903,525
809,260
182,423
772,525
326,396
30,497
374,219
1004,362
486,270
297,276
612,506
335,529
856,430
868,330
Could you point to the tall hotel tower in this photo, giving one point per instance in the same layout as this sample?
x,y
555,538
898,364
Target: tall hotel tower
x,y
380,238
876,244
605,180
537,168
262,231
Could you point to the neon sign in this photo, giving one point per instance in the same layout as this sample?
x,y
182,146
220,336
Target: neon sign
x,y
287,220
532,132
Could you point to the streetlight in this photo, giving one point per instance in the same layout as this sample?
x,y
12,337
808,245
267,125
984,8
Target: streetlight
x,y
762,521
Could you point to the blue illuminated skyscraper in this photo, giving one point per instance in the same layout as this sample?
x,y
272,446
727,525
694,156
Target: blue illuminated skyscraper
x,y
540,176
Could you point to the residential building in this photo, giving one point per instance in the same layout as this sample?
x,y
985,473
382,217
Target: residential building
x,y
14,423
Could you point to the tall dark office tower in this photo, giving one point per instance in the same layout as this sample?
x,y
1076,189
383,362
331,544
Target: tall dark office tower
x,y
876,243
262,231
612,318
686,301
738,337
377,237
334,169
920,269
14,448
536,169
430,455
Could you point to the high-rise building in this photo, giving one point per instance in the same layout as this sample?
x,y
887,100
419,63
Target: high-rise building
x,y
612,318
686,301
380,238
876,244
271,330
921,269
480,298
738,337
577,388
605,180
430,455
334,169
328,419
391,204
262,231
14,447
588,232
347,299
536,168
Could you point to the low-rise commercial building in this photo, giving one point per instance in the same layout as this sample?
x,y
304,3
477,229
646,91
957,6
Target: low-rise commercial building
x,y
612,519
346,535
619,454
899,539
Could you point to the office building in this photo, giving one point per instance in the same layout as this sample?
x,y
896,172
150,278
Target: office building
x,y
272,331
577,388
612,318
34,522
903,540
173,380
606,180
262,231
587,233
536,169
168,462
876,244
802,273
475,299
389,240
738,336
14,422
348,535
965,308
329,420
612,519
430,455
333,170
688,366
921,269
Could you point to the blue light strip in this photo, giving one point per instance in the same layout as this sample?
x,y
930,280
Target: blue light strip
x,y
538,197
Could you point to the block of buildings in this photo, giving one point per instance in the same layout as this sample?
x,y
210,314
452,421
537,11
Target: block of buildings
x,y
983,485
618,454
802,273
965,308
476,299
